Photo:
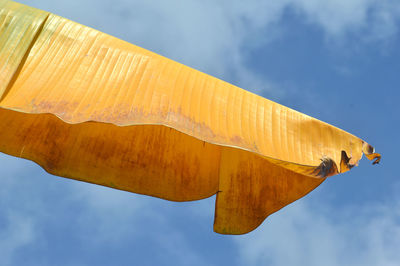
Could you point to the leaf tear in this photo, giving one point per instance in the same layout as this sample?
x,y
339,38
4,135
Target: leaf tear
x,y
326,168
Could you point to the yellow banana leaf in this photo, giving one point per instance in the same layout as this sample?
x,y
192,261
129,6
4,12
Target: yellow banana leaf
x,y
88,106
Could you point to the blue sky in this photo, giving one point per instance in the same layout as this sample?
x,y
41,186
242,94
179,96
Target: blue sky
x,y
335,60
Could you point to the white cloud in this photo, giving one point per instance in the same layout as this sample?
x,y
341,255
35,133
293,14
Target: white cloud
x,y
304,233
336,16
17,231
323,235
37,209
366,20
16,226
211,36
215,36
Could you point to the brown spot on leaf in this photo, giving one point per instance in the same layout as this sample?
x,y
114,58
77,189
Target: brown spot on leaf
x,y
236,140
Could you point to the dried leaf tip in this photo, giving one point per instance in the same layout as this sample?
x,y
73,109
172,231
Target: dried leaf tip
x,y
369,152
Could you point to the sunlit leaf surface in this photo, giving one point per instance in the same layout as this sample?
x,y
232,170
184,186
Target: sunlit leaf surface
x,y
88,106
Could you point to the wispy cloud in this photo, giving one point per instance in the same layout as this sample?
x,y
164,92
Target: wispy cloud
x,y
308,232
17,231
39,212
215,36
361,21
366,234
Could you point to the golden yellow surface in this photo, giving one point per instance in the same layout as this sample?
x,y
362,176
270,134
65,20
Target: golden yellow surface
x,y
91,107
251,188
146,159
19,25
